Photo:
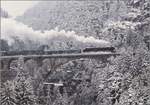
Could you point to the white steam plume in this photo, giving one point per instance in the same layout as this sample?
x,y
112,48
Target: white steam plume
x,y
11,28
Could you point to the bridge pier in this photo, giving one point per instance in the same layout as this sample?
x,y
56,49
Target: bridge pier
x,y
4,64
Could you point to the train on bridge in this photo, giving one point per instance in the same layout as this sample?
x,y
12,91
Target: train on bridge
x,y
50,52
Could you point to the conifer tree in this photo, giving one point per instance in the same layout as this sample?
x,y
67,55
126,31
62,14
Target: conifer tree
x,y
23,87
7,94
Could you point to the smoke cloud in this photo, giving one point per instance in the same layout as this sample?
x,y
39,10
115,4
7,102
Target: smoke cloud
x,y
11,29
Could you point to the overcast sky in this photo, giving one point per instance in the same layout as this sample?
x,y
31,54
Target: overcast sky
x,y
17,8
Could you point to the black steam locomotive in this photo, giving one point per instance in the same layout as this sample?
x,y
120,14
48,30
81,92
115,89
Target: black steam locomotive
x,y
101,49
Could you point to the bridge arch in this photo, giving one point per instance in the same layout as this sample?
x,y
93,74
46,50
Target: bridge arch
x,y
30,65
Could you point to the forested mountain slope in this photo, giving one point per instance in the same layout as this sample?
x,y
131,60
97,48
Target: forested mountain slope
x,y
84,17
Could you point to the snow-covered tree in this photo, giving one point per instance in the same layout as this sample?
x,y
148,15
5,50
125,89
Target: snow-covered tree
x,y
24,93
7,94
128,36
